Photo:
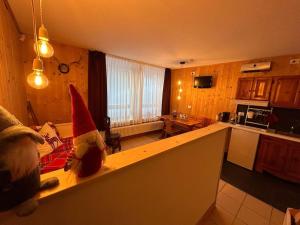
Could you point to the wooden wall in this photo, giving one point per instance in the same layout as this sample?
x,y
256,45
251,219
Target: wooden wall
x,y
221,97
12,82
53,103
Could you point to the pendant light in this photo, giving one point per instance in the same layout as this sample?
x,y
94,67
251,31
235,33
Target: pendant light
x,y
36,79
43,46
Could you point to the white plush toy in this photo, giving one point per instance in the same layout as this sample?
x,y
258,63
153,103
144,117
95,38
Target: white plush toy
x,y
19,165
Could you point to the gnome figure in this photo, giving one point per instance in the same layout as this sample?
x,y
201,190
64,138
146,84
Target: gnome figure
x,y
19,165
88,143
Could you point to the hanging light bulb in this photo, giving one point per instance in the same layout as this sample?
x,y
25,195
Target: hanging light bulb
x,y
37,79
44,48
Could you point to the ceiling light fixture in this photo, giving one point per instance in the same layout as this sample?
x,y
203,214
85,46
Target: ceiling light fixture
x,y
36,79
44,47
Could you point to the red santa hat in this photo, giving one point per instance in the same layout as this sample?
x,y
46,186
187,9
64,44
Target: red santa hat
x,y
89,144
82,119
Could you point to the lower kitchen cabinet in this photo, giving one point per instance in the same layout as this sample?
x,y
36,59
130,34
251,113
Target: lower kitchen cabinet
x,y
279,157
293,165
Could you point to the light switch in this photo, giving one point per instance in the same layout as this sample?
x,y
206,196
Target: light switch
x,y
189,106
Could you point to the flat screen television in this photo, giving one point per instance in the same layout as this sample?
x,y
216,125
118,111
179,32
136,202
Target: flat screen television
x,y
203,82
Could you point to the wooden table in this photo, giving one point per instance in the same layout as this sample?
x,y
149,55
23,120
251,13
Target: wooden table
x,y
187,123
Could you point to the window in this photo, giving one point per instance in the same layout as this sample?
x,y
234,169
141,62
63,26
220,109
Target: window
x,y
134,91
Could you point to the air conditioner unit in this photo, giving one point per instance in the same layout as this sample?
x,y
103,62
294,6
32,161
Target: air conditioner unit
x,y
256,67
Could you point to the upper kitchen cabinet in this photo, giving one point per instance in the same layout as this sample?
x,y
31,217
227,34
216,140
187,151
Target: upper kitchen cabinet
x,y
286,92
244,88
254,88
261,89
297,98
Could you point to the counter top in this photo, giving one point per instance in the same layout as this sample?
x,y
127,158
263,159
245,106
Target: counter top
x,y
261,131
126,158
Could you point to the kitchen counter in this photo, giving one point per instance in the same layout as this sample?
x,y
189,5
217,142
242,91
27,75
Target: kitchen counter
x,y
261,131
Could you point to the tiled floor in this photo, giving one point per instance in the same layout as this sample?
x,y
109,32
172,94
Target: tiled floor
x,y
281,195
138,141
235,207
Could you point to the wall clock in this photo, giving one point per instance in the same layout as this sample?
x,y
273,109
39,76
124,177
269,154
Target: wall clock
x,y
63,68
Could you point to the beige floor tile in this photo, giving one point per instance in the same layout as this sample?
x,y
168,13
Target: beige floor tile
x,y
238,222
233,192
277,217
258,206
221,217
229,204
221,185
249,217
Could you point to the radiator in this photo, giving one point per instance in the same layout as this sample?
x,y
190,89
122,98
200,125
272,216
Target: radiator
x,y
65,129
138,128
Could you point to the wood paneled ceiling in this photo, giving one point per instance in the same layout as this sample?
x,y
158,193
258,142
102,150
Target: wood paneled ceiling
x,y
162,32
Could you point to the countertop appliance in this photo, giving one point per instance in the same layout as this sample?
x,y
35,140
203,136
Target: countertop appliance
x,y
242,148
258,117
255,116
223,116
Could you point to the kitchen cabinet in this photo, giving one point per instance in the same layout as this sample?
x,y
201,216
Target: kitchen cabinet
x,y
254,88
244,88
279,157
261,89
293,166
286,92
297,97
272,154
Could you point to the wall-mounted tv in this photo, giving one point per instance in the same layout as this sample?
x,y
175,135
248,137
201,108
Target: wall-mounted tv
x,y
203,82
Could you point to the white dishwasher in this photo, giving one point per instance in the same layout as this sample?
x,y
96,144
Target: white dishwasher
x,y
242,147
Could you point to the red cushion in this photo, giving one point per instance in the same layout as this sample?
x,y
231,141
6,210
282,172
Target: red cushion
x,y
57,159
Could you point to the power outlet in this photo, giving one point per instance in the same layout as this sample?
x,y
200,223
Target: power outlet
x,y
295,61
189,106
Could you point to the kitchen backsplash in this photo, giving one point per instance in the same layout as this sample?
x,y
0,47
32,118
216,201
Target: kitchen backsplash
x,y
287,118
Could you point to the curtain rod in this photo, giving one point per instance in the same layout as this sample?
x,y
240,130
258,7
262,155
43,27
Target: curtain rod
x,y
132,60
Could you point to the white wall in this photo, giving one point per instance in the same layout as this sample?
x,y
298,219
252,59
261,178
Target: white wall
x,y
175,187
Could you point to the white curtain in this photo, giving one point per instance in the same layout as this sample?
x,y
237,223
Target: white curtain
x,y
134,91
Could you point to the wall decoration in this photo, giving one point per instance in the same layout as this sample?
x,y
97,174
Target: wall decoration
x,y
64,68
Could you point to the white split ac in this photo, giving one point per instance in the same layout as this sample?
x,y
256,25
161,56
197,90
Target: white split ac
x,y
256,67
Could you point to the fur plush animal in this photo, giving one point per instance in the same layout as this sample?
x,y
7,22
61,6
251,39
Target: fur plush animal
x,y
19,165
